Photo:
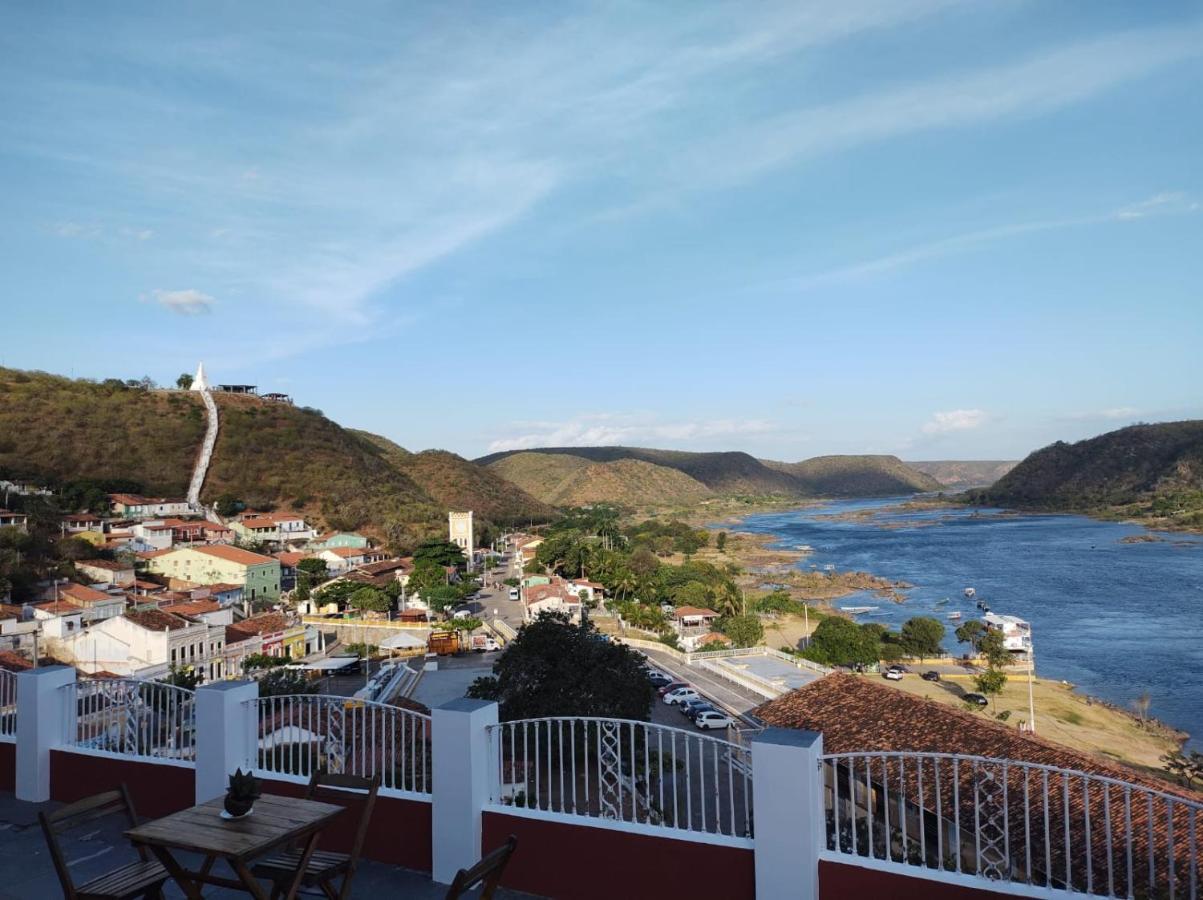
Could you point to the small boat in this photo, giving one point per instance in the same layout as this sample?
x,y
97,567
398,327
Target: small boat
x,y
830,567
859,609
806,548
970,592
954,616
941,603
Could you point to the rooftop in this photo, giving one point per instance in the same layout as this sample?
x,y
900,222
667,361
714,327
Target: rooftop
x,y
157,619
233,554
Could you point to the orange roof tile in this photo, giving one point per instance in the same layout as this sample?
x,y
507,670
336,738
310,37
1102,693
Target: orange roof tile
x,y
234,554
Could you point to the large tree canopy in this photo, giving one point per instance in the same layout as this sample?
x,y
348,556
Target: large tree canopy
x,y
842,643
921,636
555,668
444,553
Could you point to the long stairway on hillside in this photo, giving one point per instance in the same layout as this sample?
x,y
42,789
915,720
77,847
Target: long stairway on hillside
x,y
201,386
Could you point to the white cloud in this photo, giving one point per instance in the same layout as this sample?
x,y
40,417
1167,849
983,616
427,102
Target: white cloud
x,y
1166,203
188,302
954,420
606,429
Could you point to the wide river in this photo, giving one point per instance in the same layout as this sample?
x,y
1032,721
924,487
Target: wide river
x,y
1113,618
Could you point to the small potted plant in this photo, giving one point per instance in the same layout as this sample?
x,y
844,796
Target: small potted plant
x,y
242,794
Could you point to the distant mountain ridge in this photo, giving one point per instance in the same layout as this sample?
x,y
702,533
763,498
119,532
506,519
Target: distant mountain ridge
x,y
960,475
1153,472
553,474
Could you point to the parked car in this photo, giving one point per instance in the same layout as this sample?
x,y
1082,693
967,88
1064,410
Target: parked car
x,y
513,593
671,686
892,675
975,698
691,708
658,679
931,675
462,614
482,643
899,667
680,695
712,718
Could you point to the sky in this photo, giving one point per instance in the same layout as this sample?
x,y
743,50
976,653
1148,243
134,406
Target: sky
x,y
942,230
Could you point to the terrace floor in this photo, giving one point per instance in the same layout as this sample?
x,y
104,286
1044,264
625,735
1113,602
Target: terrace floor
x,y
27,873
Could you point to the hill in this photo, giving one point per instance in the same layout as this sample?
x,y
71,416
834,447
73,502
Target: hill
x,y
565,480
455,483
1154,472
960,475
731,472
857,476
269,455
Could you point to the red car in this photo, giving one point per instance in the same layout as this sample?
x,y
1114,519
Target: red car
x,y
671,686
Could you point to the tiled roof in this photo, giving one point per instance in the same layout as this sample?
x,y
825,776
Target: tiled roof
x,y
347,552
223,587
58,607
80,594
267,623
151,554
386,566
10,611
542,592
234,635
683,611
193,607
291,558
234,554
157,619
108,564
13,662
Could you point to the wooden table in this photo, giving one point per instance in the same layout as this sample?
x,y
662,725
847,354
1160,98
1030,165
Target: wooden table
x,y
276,823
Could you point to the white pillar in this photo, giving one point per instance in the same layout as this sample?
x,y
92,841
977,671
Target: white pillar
x,y
226,734
42,723
462,775
791,825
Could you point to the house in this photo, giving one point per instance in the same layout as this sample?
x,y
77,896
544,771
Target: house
x,y
258,575
593,589
74,523
238,646
289,561
333,539
17,520
555,597
1017,634
275,527
155,533
94,605
106,571
226,594
342,559
58,619
13,662
692,624
280,636
209,611
146,643
398,569
136,506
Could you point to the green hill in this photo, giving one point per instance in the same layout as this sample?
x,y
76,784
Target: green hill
x,y
1153,472
565,480
857,476
960,475
268,455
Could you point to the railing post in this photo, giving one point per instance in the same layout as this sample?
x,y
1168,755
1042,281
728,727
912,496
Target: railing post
x,y
41,722
226,734
460,786
790,822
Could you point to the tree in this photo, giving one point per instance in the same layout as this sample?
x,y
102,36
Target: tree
x,y
840,642
469,624
921,636
369,599
992,646
970,633
427,574
315,568
441,596
444,553
644,563
184,381
228,505
254,661
720,541
1141,705
555,668
179,677
990,683
280,682
744,631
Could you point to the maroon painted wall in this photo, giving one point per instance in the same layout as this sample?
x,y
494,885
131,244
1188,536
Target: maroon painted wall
x,y
8,766
839,880
157,789
399,834
579,861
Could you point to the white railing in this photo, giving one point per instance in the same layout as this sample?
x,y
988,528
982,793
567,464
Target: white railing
x,y
796,661
624,771
131,717
297,734
1006,821
8,705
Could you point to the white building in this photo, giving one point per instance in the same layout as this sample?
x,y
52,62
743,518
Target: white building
x,y
1017,634
461,531
145,643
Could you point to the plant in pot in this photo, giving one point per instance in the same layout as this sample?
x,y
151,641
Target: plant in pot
x,y
242,793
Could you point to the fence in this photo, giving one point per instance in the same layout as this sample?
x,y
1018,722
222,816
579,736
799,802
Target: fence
x,y
296,734
131,717
1009,821
623,771
8,705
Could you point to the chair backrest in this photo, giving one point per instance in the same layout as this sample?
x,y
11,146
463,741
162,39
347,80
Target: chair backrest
x,y
81,812
331,788
487,872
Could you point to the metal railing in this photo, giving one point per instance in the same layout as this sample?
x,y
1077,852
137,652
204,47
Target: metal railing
x,y
1007,821
795,661
624,771
131,717
8,704
297,734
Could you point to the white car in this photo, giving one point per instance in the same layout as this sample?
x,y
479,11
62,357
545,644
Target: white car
x,y
711,719
513,593
462,614
892,675
680,695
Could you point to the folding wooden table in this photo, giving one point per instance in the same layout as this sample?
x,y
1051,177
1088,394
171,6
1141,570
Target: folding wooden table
x,y
276,823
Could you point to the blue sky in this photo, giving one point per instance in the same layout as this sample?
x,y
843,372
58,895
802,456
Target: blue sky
x,y
935,229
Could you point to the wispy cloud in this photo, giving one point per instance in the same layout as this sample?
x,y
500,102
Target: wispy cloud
x,y
601,430
954,420
190,302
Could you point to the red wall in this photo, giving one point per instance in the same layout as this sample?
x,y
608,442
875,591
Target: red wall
x,y
579,861
157,789
8,766
839,880
399,834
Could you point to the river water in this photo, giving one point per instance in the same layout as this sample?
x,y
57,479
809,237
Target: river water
x,y
1113,618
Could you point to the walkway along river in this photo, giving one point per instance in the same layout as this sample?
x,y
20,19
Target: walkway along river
x,y
1114,618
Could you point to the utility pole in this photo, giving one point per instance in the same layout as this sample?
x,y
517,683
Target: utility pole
x,y
1031,679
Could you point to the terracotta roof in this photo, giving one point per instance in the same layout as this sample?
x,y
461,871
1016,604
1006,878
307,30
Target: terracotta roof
x,y
265,520
234,635
267,623
79,594
157,619
223,587
542,592
346,552
10,611
13,662
386,566
192,607
234,554
108,564
151,554
714,637
82,517
291,558
58,608
683,611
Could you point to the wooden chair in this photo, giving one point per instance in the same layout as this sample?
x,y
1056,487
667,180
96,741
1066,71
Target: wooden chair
x,y
142,878
486,873
325,866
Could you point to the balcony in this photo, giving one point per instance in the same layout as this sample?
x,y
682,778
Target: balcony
x,y
605,807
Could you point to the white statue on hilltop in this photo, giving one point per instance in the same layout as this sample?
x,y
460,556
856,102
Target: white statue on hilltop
x,y
200,383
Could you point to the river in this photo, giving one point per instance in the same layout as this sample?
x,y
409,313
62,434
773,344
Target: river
x,y
1113,618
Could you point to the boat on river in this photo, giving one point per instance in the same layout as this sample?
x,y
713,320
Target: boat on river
x,y
859,609
970,592
955,616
